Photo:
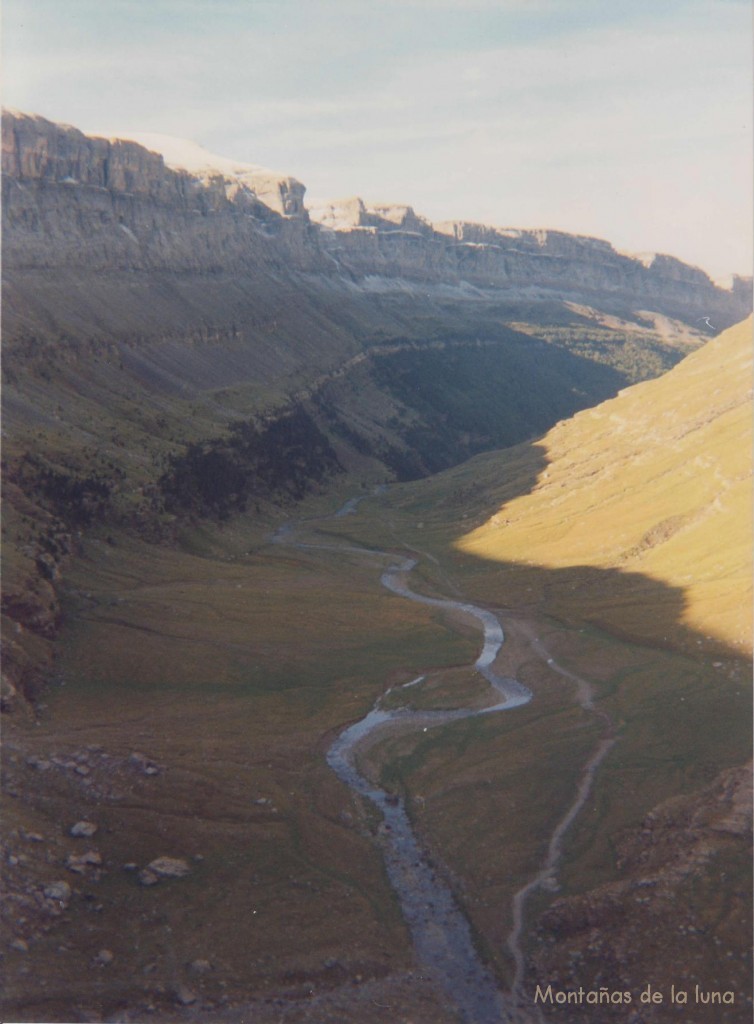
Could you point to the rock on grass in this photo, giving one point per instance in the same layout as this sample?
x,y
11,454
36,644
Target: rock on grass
x,y
162,868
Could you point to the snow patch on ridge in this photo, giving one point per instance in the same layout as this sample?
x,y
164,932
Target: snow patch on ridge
x,y
280,192
187,155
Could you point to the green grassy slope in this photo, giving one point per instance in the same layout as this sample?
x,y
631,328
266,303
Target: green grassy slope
x,y
621,539
656,482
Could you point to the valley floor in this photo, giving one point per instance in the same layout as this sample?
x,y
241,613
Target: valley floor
x,y
198,693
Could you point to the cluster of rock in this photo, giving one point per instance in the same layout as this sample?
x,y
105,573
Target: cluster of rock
x,y
95,770
38,899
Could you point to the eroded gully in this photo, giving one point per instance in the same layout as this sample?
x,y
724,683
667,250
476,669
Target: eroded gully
x,y
440,931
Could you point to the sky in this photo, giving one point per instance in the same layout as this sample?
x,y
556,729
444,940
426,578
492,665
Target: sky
x,y
630,120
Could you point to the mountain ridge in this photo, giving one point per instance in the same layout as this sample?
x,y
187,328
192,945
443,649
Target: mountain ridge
x,y
45,157
653,485
354,212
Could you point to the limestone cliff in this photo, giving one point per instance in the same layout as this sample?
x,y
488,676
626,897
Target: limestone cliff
x,y
243,182
71,201
393,240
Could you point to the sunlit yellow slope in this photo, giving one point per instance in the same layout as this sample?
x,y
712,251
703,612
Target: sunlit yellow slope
x,y
656,481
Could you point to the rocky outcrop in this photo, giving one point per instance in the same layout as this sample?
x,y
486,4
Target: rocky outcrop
x,y
393,240
349,214
35,149
244,184
72,201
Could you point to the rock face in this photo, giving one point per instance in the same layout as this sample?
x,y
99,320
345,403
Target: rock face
x,y
73,201
393,240
244,184
81,202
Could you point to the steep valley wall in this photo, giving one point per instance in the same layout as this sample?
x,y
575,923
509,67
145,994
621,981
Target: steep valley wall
x,y
151,314
112,218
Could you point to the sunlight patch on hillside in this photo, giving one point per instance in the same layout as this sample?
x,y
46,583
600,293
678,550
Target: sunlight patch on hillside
x,y
656,481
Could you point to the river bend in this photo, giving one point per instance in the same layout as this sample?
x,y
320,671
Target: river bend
x,y
441,934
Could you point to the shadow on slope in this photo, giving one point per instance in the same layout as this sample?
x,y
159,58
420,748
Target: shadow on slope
x,y
656,872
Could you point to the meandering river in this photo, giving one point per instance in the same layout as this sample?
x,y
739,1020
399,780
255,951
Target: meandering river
x,y
441,933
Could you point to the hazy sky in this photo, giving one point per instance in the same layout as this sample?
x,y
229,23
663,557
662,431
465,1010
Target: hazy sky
x,y
626,119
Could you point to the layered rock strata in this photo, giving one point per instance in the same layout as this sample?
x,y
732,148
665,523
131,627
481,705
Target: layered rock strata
x,y
71,201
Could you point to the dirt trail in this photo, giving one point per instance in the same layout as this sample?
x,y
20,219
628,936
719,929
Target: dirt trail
x,y
547,876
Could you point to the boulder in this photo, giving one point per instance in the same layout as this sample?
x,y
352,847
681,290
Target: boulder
x,y
200,966
184,996
79,863
60,891
169,867
83,829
